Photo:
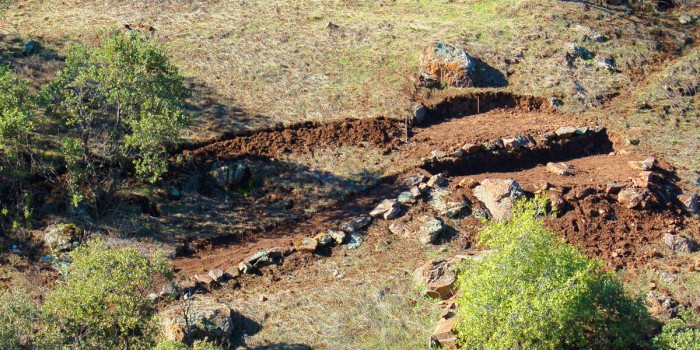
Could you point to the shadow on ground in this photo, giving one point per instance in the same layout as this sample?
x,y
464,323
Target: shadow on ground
x,y
488,76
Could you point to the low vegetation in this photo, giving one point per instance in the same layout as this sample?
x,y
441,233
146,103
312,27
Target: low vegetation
x,y
537,292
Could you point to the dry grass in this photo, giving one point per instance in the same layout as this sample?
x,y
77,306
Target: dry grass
x,y
279,62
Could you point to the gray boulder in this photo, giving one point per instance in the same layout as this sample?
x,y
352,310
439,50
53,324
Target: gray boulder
x,y
498,196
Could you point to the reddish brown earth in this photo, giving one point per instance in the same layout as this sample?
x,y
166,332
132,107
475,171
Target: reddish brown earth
x,y
603,228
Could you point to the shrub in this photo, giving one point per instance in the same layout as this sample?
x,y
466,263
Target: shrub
x,y
21,325
537,292
198,345
122,102
682,333
102,303
16,126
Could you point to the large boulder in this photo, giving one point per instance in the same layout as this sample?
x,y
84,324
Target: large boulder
x,y
445,64
228,176
437,277
498,196
202,318
62,237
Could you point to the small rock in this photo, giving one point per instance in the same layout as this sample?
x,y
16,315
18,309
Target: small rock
x,y
643,179
690,202
423,187
438,153
203,279
444,336
645,165
565,131
557,202
679,244
430,231
387,205
153,297
632,197
324,239
407,197
613,187
338,236
307,244
437,181
393,213
355,241
262,298
413,180
217,275
471,148
560,169
228,176
31,47
245,267
420,114
357,224
415,192
669,278
437,277
233,272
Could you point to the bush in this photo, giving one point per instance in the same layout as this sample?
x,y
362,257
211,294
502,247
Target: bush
x,y
16,126
122,103
537,292
102,303
198,345
682,333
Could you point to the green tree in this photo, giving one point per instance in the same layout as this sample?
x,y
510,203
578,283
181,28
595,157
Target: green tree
x,y
102,304
122,102
535,291
16,126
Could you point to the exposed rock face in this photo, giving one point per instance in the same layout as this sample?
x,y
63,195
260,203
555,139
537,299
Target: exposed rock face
x,y
437,277
205,318
446,64
62,237
498,196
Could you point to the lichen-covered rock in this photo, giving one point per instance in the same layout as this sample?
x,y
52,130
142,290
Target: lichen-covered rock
x,y
205,318
228,176
430,231
445,64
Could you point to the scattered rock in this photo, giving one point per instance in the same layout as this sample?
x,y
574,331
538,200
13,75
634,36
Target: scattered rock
x,y
357,224
566,131
512,143
445,64
406,197
430,231
560,169
355,241
62,237
386,206
440,201
397,229
338,236
471,148
469,183
444,336
233,272
205,319
662,306
307,245
613,187
167,290
204,279
324,239
228,176
415,192
413,180
632,197
437,277
690,202
245,267
679,243
437,181
217,275
643,179
645,165
498,196
420,114
187,285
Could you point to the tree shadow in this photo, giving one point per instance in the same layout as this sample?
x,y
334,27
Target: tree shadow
x,y
487,76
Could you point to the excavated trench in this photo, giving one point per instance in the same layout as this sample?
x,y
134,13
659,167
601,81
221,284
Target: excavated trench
x,y
543,151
